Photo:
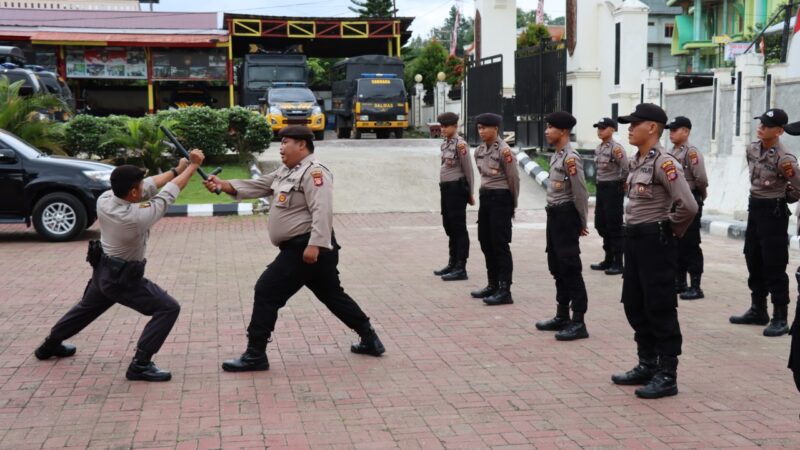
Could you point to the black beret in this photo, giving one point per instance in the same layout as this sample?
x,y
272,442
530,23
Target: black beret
x,y
297,132
448,118
774,118
793,128
645,112
606,122
126,177
561,120
679,122
489,119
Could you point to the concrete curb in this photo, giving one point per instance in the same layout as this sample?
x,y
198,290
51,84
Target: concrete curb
x,y
220,209
736,230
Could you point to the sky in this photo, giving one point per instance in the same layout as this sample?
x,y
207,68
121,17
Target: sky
x,y
428,13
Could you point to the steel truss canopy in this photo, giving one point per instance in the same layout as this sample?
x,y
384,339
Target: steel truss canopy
x,y
323,37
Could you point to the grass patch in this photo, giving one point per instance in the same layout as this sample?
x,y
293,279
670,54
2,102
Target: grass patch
x,y
544,162
196,193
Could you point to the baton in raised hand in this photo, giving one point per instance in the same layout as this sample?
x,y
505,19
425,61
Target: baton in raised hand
x,y
185,153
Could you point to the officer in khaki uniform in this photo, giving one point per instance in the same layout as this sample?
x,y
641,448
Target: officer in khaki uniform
x,y
690,255
301,225
773,173
612,170
126,213
455,186
567,208
498,201
655,183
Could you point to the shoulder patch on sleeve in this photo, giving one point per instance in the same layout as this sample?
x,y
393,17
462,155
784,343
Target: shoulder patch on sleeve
x,y
670,170
317,176
508,156
462,148
144,205
572,166
618,152
788,169
693,158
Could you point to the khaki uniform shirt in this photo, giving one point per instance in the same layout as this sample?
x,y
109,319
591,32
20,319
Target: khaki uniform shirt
x,y
567,182
125,226
302,202
456,162
498,167
694,167
771,170
611,161
655,183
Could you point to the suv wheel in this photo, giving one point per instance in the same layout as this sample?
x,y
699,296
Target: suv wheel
x,y
59,217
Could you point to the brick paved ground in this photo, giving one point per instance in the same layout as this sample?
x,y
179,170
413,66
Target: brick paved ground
x,y
456,374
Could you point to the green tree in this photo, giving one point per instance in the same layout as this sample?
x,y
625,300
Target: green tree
x,y
465,35
524,18
429,62
142,138
320,69
21,115
248,132
533,35
561,20
454,70
373,8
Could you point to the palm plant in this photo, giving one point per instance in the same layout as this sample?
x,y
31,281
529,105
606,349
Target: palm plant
x,y
21,115
142,138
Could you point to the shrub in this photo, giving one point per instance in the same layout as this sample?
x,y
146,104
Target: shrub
x,y
248,132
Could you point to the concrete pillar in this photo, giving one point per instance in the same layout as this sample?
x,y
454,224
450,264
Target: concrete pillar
x,y
698,31
440,97
722,78
649,86
419,90
749,70
499,36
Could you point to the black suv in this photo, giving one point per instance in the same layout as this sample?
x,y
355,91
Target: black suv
x,y
59,194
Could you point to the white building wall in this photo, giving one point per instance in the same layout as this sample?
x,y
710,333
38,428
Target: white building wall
x,y
498,35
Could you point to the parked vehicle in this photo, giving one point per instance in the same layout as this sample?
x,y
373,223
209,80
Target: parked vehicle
x,y
262,71
58,195
369,96
285,106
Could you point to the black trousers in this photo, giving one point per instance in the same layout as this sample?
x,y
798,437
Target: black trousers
x,y
564,255
288,273
690,255
648,295
794,351
766,249
608,214
454,217
494,232
106,288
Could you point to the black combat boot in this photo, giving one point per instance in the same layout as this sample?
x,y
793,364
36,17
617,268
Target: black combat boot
x,y
50,348
641,374
254,358
756,315
557,323
665,382
459,272
143,369
575,329
370,344
604,264
502,296
778,325
694,292
615,268
445,269
680,281
490,289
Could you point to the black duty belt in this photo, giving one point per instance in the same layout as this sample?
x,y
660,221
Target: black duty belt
x,y
484,192
615,183
766,202
645,229
561,207
297,241
456,183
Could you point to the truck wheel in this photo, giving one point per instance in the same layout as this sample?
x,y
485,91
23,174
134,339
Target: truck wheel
x,y
319,135
398,133
59,217
343,133
383,134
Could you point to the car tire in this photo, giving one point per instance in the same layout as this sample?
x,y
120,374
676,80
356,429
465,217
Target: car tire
x,y
319,135
59,217
398,134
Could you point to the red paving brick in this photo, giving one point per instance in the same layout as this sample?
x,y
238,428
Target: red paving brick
x,y
456,374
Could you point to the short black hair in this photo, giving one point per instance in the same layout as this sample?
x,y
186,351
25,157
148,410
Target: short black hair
x,y
124,178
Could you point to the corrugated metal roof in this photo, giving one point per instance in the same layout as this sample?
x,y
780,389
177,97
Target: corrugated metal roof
x,y
109,38
107,19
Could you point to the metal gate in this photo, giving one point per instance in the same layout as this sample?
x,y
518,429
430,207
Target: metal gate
x,y
484,92
540,79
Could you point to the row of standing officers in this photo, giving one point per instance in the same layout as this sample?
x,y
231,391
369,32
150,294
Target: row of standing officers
x,y
655,249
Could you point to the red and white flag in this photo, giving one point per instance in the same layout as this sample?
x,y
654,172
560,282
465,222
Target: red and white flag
x,y
540,12
793,53
454,34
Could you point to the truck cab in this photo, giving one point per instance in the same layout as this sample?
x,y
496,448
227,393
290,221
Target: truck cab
x,y
260,72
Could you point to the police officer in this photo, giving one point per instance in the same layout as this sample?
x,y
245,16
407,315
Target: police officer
x,y
126,213
655,184
567,208
794,353
766,246
612,170
455,186
498,201
301,225
690,255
